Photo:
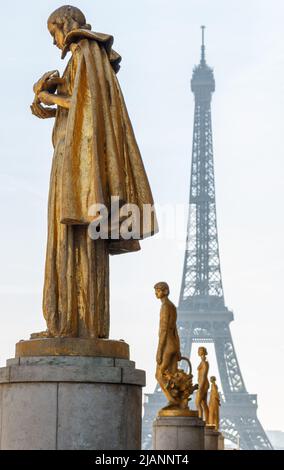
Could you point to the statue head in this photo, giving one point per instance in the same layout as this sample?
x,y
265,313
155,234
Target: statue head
x,y
202,352
161,290
213,379
63,20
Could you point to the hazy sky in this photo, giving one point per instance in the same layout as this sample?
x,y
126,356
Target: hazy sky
x,y
160,43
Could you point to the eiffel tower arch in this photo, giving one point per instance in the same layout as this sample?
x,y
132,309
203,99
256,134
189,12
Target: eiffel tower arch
x,y
202,314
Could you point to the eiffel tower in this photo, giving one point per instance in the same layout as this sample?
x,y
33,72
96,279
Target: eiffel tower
x,y
202,314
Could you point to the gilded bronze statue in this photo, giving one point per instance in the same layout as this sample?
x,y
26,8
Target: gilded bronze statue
x,y
203,386
214,405
175,383
96,157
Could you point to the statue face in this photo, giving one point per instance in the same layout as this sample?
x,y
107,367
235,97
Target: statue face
x,y
160,293
57,34
201,352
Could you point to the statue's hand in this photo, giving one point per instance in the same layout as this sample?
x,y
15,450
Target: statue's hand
x,y
51,85
46,98
42,83
42,112
179,356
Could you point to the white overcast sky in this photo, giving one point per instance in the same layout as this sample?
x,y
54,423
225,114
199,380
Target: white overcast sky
x,y
160,43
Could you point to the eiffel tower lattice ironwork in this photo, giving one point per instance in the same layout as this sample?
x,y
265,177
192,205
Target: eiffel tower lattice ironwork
x,y
202,314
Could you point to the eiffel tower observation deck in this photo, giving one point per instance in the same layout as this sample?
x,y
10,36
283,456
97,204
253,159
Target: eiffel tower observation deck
x,y
202,314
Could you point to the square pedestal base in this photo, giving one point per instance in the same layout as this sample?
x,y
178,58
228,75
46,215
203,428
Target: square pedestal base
x,y
70,403
178,433
213,439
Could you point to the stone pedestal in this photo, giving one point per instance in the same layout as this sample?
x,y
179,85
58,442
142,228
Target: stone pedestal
x,y
70,402
221,442
178,433
212,438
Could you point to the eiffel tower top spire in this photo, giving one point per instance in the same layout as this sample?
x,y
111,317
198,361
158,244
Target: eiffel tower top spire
x,y
203,60
202,281
203,82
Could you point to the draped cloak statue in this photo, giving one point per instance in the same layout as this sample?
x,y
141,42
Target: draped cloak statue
x,y
95,157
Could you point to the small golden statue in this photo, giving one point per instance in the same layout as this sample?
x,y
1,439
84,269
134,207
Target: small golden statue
x,y
214,404
175,383
203,386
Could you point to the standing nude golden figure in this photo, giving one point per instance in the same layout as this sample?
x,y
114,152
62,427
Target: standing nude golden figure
x,y
175,383
203,386
96,157
168,353
214,404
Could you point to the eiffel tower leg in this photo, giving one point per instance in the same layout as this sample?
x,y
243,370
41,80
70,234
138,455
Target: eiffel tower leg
x,y
239,421
229,369
245,431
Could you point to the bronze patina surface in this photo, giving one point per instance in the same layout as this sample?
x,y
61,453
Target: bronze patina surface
x,y
175,383
96,158
214,405
73,347
178,412
203,386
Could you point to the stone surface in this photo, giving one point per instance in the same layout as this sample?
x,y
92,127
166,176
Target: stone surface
x,y
124,363
70,403
65,374
221,442
133,432
99,417
15,361
72,368
4,374
178,433
211,438
67,360
28,417
135,376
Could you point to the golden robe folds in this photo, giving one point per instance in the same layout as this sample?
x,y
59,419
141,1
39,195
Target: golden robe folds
x,y
95,157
